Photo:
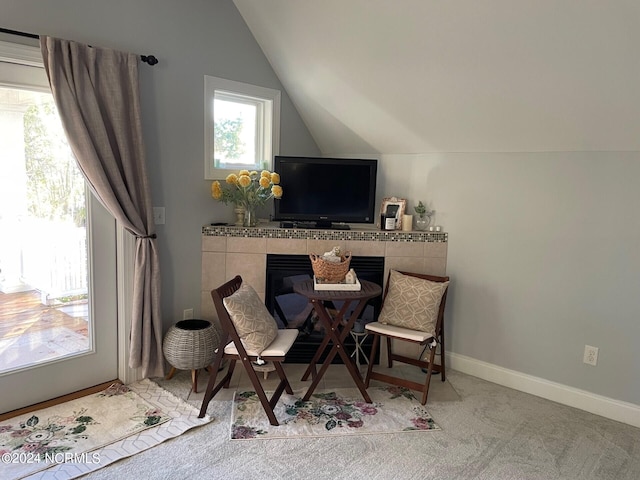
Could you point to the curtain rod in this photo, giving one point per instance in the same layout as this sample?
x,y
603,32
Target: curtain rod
x,y
150,59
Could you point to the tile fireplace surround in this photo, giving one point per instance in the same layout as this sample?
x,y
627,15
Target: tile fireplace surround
x,y
228,251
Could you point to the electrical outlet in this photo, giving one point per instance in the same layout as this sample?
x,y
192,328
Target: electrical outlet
x,y
590,355
158,215
187,314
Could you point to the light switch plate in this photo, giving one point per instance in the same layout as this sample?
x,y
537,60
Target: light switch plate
x,y
158,215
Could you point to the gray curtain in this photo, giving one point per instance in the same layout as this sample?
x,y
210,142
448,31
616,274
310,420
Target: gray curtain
x,y
97,95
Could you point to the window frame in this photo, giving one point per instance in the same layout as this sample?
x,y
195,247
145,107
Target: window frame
x,y
267,122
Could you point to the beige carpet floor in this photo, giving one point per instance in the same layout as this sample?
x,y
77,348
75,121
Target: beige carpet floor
x,y
488,432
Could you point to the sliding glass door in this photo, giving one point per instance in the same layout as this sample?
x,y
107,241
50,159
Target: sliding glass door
x,y
57,250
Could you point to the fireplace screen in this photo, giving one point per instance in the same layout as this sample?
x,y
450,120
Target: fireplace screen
x,y
293,311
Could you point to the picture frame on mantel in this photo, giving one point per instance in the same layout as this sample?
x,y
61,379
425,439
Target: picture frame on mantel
x,y
402,206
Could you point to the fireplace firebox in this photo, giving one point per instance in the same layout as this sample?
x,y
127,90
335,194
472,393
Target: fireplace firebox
x,y
293,311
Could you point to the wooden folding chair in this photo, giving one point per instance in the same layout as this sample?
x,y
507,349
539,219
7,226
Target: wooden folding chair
x,y
234,351
428,341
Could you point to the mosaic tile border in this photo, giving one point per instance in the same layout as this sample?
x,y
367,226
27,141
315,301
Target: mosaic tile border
x,y
308,234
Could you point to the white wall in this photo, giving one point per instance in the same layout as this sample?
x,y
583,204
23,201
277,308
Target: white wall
x,y
544,255
191,38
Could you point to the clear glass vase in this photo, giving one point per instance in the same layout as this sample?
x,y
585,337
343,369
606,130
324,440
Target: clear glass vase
x,y
250,218
422,222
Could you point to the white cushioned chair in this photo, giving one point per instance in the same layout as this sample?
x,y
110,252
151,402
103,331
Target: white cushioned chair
x,y
250,334
412,311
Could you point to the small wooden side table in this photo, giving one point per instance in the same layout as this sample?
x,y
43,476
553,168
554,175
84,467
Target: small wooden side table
x,y
336,328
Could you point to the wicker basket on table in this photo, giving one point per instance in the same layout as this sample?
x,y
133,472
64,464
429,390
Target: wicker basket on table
x,y
331,272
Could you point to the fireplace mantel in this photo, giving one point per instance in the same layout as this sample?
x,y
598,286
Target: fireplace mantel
x,y
228,251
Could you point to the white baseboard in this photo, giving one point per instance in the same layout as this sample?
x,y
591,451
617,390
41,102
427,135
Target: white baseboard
x,y
624,412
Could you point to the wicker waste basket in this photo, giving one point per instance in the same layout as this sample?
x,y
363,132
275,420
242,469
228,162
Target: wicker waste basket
x,y
190,345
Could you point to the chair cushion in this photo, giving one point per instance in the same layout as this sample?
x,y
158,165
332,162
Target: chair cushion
x,y
398,332
254,324
278,348
412,302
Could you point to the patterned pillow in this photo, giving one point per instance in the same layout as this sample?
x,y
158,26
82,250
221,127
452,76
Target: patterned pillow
x,y
255,325
412,302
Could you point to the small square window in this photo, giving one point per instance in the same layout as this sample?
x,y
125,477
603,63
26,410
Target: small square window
x,y
242,127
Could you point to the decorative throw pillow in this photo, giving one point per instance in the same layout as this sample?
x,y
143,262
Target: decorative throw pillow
x,y
254,324
412,302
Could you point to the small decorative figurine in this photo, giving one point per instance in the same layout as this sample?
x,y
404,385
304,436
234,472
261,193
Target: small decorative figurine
x,y
333,256
350,277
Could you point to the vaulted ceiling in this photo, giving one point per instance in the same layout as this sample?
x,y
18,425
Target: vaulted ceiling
x,y
415,76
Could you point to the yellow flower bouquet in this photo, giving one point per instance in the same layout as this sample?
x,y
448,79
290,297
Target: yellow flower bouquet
x,y
249,190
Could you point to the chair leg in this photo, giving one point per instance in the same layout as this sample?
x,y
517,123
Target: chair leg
x,y
442,369
255,381
232,366
372,357
282,386
425,391
283,378
212,388
389,354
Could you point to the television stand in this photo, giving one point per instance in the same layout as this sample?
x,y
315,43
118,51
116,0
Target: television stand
x,y
315,225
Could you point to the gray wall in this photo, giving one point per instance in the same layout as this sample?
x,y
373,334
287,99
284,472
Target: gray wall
x,y
544,258
191,39
543,248
544,237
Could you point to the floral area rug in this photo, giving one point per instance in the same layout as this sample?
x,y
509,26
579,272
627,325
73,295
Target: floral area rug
x,y
77,437
335,412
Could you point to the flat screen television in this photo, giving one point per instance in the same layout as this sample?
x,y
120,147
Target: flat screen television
x,y
325,192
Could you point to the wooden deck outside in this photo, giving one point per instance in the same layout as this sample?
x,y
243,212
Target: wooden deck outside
x,y
23,313
24,321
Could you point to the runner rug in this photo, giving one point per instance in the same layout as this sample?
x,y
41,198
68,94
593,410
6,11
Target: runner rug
x,y
331,412
83,435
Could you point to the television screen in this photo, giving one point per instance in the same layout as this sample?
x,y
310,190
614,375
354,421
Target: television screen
x,y
326,191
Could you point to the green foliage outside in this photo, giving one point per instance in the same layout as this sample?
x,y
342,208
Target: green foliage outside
x,y
56,188
228,145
